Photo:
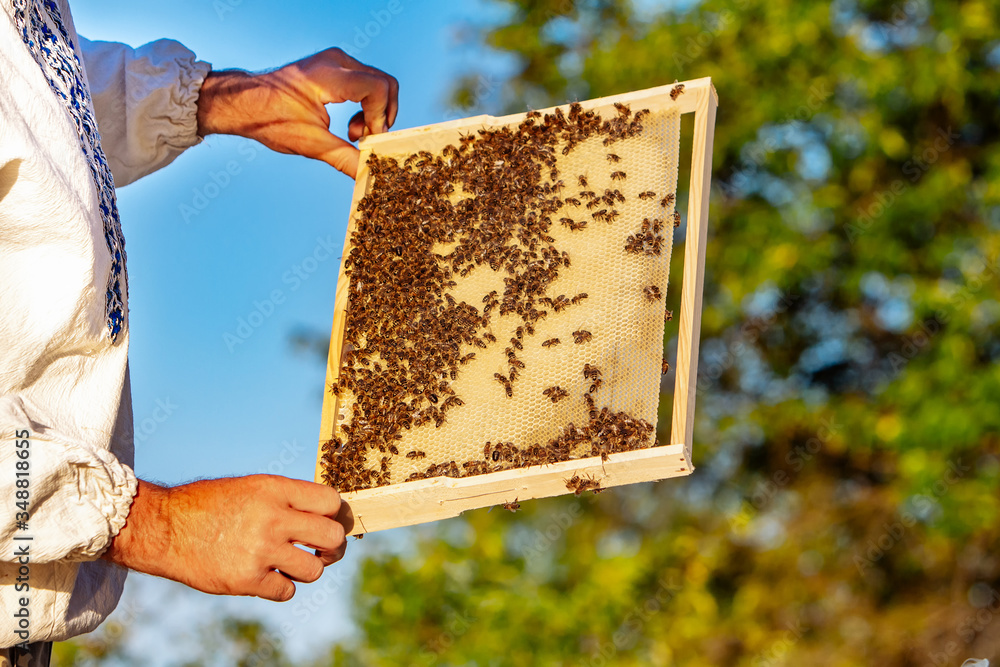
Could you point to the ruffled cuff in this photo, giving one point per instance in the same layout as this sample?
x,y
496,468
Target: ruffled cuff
x,y
109,488
180,130
146,102
77,494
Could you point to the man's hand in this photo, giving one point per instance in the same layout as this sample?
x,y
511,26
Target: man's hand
x,y
284,109
233,536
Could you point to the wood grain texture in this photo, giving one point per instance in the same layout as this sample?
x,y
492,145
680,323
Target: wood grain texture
x,y
693,280
421,501
425,500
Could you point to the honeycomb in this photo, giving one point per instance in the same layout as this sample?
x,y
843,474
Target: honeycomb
x,y
469,260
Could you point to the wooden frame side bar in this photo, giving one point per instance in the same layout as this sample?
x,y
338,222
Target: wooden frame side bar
x,y
331,402
693,280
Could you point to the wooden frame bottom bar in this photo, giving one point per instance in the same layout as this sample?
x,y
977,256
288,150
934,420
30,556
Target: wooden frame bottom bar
x,y
438,498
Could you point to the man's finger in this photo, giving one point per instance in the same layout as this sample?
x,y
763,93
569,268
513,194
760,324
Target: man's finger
x,y
318,143
356,126
308,496
334,84
276,587
331,557
299,565
344,60
312,530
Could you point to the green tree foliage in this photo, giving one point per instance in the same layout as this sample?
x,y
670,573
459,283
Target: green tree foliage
x,y
844,510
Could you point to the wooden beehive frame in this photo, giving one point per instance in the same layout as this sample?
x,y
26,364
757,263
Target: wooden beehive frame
x,y
425,500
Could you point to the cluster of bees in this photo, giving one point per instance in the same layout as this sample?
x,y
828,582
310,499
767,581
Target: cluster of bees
x,y
605,433
492,198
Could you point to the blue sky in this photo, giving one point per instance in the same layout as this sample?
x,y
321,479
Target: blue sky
x,y
257,242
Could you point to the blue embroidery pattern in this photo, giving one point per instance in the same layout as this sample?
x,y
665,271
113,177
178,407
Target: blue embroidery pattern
x,y
55,53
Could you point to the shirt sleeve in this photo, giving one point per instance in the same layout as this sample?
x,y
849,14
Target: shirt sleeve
x,y
72,498
146,101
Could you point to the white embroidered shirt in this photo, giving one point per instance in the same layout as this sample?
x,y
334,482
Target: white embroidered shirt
x,y
65,403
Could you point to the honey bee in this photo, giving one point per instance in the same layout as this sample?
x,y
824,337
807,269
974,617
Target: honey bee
x,y
652,293
579,298
676,91
667,200
513,506
613,158
516,343
623,109
555,394
573,201
550,342
490,337
533,114
581,336
583,181
618,176
578,484
416,454
664,367
677,219
668,315
597,385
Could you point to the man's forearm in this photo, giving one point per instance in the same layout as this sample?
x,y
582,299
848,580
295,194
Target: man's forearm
x,y
222,94
144,540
